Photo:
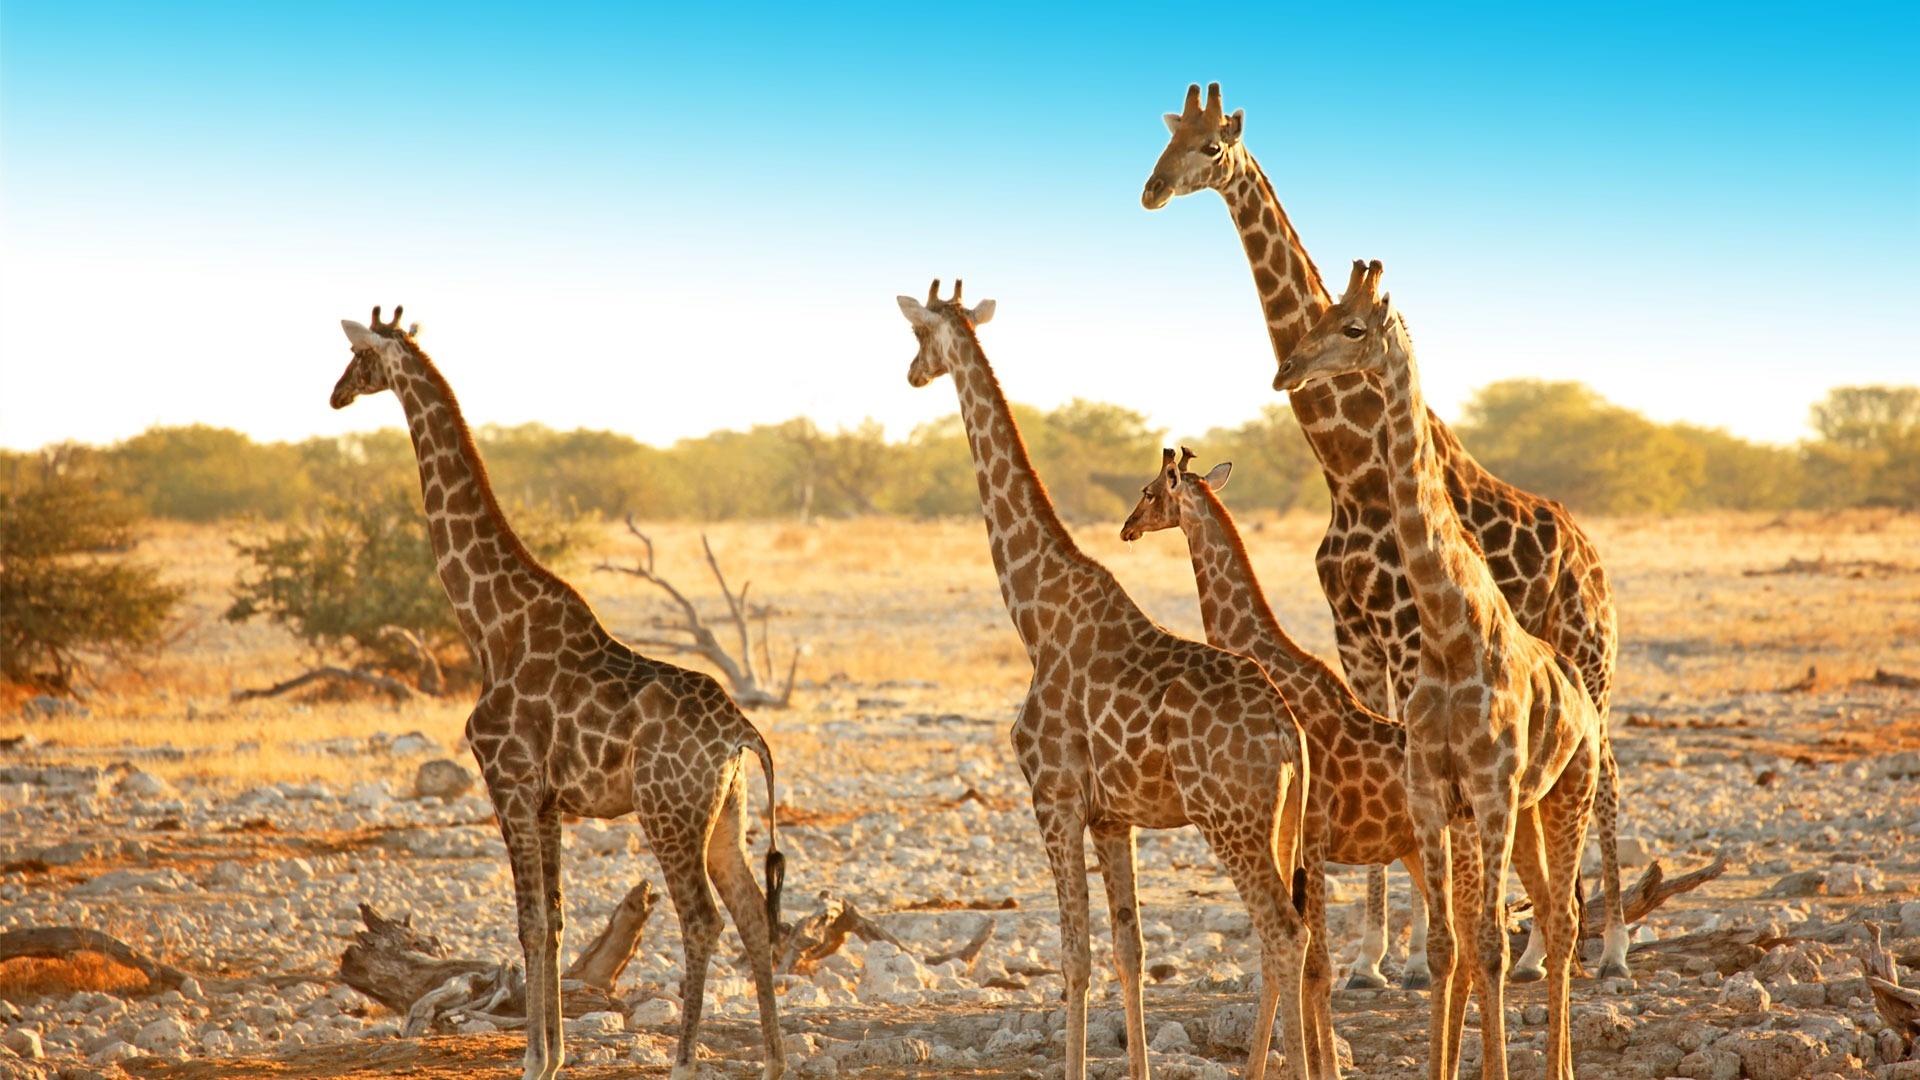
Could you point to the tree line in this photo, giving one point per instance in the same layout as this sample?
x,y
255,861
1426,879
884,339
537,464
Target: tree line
x,y
1559,439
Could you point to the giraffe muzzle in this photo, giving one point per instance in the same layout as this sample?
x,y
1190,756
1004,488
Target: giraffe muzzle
x,y
1156,194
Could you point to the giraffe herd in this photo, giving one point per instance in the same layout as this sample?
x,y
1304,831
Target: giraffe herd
x,y
1474,624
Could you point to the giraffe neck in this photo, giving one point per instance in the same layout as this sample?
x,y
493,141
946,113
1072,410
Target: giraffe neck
x,y
1031,547
1443,566
1237,617
1292,298
490,576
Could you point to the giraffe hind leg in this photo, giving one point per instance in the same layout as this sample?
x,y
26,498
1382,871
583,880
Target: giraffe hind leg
x,y
681,846
1365,972
1606,820
732,874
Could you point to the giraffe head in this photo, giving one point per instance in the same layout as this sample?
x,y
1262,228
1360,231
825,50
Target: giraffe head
x,y
1358,334
1205,150
944,327
375,350
1173,492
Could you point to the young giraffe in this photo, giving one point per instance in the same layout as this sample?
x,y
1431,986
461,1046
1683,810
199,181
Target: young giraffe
x,y
1125,725
1547,568
1357,805
572,721
1499,725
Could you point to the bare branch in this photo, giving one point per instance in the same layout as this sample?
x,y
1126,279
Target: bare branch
x,y
393,688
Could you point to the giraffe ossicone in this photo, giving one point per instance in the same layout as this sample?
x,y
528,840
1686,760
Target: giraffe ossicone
x,y
572,721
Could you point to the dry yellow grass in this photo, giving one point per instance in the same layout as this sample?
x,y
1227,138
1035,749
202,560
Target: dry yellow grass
x,y
911,612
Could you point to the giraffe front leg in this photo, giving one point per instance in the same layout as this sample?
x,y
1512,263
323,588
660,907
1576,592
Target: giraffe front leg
x,y
1529,863
1416,975
1365,973
520,830
1437,869
1494,813
1316,993
1562,818
551,1016
1114,844
1063,832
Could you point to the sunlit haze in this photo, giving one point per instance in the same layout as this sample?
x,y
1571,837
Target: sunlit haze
x,y
664,222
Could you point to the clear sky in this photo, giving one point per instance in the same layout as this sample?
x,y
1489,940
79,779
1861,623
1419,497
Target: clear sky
x,y
662,220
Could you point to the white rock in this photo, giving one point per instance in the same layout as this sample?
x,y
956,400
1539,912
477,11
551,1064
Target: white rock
x,y
163,1036
597,1023
441,779
1743,993
1171,1039
25,1042
140,784
654,1012
113,1053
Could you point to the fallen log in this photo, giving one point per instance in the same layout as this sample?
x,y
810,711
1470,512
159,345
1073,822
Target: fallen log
x,y
1646,895
410,973
393,688
1896,1004
822,933
62,942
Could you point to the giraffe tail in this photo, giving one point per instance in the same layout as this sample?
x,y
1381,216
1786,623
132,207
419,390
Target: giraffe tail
x,y
1293,820
776,868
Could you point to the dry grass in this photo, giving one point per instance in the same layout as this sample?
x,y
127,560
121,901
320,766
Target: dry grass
x,y
25,977
910,612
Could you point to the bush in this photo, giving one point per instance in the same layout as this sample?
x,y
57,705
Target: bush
x,y
67,588
358,566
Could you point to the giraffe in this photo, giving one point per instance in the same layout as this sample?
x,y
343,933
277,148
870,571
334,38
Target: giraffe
x,y
1499,725
1548,569
572,721
1125,725
1357,804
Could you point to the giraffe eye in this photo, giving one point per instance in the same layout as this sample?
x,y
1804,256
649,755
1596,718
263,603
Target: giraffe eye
x,y
1212,149
1355,332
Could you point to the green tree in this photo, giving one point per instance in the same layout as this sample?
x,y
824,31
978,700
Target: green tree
x,y
1869,447
1088,453
202,473
1740,475
1562,440
68,591
1273,465
355,567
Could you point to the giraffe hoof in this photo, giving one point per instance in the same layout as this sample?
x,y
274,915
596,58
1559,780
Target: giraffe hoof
x,y
1526,974
1416,980
1366,980
1611,970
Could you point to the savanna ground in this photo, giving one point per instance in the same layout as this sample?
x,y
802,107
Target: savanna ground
x,y
1747,718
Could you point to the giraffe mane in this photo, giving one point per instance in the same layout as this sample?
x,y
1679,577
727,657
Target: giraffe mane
x,y
471,451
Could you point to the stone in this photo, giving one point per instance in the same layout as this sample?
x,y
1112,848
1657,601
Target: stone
x,y
1600,1027
1710,1065
140,784
24,1042
1804,883
163,1036
441,779
654,1012
1778,1055
1743,993
1171,1038
597,1023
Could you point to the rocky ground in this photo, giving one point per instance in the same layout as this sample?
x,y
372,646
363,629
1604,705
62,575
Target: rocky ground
x,y
892,800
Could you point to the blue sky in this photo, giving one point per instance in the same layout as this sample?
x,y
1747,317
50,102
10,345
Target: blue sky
x,y
663,222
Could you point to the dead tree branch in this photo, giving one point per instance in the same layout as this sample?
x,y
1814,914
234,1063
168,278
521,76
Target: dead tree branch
x,y
432,680
750,687
393,688
1652,890
1897,1005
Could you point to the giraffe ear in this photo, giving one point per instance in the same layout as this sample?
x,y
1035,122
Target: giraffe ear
x,y
915,313
982,313
1173,122
358,335
1230,131
1217,477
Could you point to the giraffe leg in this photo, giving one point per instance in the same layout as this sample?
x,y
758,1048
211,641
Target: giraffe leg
x,y
1317,983
733,876
680,843
1529,862
1063,832
1436,862
1464,885
1563,819
1283,945
1114,844
1365,972
520,829
1606,820
550,1012
1415,976
1494,812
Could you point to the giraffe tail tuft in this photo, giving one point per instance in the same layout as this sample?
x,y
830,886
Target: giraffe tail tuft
x,y
776,867
1300,889
776,877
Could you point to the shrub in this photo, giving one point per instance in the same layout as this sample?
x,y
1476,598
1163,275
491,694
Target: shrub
x,y
67,589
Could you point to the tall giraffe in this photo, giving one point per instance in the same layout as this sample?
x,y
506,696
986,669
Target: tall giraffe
x,y
572,721
1125,725
1499,725
1548,570
1357,804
